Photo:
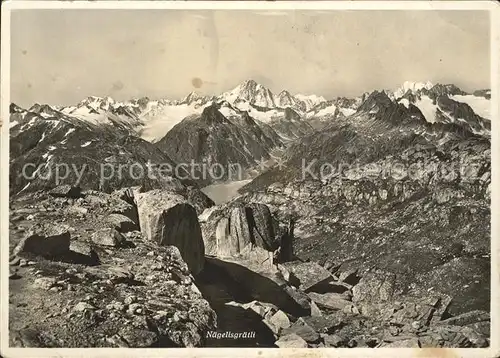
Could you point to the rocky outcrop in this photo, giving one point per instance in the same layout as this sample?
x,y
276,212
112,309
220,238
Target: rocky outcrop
x,y
227,244
46,239
262,226
240,228
159,312
242,231
69,292
167,219
262,284
108,237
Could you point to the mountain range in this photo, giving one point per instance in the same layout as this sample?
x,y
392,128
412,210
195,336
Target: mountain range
x,y
243,126
374,212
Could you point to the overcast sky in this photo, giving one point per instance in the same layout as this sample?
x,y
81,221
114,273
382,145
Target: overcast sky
x,y
62,56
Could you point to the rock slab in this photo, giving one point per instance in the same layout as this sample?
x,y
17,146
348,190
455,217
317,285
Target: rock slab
x,y
167,219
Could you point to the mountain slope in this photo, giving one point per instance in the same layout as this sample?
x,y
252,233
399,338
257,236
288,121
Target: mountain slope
x,y
48,151
386,190
236,141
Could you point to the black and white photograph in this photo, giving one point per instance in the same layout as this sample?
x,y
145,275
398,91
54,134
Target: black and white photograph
x,y
275,176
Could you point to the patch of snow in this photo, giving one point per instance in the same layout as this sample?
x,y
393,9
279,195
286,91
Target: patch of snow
x,y
71,130
43,136
267,116
29,124
48,159
86,144
228,112
328,111
427,108
480,105
347,111
244,106
25,187
405,102
159,123
310,100
13,124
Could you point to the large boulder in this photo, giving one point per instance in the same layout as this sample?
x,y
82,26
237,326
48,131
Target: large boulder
x,y
85,252
108,237
239,227
303,330
121,223
262,227
330,300
227,244
308,274
242,231
168,219
46,240
232,233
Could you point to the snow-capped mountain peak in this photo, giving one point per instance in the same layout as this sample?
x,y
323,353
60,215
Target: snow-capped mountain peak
x,y
251,92
310,100
285,99
192,97
412,87
95,103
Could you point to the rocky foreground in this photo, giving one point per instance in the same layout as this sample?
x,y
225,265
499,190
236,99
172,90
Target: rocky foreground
x,y
305,304
138,269
82,275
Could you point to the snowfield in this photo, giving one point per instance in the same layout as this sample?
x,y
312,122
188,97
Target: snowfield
x,y
310,100
265,117
405,102
328,111
155,127
427,108
480,105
